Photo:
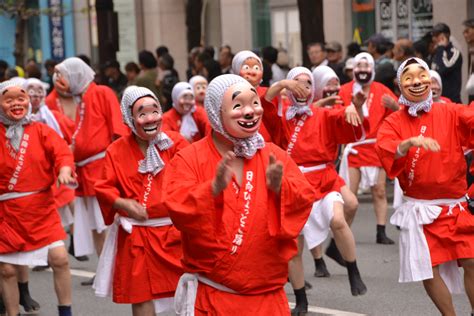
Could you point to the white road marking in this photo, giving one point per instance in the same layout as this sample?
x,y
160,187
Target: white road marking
x,y
328,311
79,273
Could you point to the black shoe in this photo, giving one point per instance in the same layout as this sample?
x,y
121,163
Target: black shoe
x,y
300,310
321,271
307,285
357,285
333,253
40,268
3,310
383,239
28,303
82,258
88,282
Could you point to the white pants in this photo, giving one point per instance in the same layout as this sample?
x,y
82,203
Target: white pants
x,y
37,257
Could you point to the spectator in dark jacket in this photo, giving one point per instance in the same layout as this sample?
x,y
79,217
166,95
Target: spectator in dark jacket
x,y
447,61
167,78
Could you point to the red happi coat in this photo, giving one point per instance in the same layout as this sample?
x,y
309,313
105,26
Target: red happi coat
x,y
244,237
430,175
147,263
315,142
367,156
172,122
34,217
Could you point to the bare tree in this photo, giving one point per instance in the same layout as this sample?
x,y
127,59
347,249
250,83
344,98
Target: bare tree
x,y
193,22
312,26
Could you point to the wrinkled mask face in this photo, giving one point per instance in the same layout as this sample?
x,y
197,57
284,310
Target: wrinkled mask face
x,y
363,71
252,71
61,83
415,83
200,88
332,88
306,81
14,102
241,111
36,94
147,117
436,89
185,103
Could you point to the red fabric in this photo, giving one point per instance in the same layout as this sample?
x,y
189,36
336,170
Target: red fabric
x,y
33,217
101,125
316,143
172,122
214,302
367,156
209,225
439,175
265,131
445,100
147,264
51,101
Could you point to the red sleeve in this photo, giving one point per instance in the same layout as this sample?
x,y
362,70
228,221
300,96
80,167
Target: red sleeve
x,y
51,100
388,139
343,132
106,190
111,110
57,148
202,121
465,124
392,95
295,201
272,121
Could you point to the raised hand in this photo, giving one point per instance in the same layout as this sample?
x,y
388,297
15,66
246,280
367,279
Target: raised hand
x,y
425,142
134,209
329,101
359,99
223,174
352,115
297,88
66,176
389,103
274,174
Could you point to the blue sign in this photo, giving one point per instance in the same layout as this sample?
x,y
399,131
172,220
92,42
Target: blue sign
x,y
57,30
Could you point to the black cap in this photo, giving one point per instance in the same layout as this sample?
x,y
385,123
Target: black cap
x,y
112,64
440,28
377,39
469,23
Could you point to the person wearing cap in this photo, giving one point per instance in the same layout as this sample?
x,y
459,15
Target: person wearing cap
x,y
97,117
250,67
116,79
447,61
311,135
360,165
199,84
185,117
140,263
414,144
34,157
334,57
377,46
239,204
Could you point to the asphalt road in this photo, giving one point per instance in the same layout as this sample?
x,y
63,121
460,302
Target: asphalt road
x,y
329,296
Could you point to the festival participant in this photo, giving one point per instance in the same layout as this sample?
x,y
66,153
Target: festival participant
x,y
414,145
249,66
360,164
31,231
185,117
312,135
97,123
143,246
239,203
199,84
437,88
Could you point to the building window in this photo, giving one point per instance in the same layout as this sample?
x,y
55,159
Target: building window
x,y
286,33
261,27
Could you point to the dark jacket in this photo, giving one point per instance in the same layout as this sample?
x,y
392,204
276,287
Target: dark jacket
x,y
447,61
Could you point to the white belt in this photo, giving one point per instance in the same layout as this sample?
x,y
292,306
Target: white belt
x,y
186,292
415,260
349,149
15,195
313,168
105,269
93,158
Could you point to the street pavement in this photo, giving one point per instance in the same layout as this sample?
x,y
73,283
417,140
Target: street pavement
x,y
329,296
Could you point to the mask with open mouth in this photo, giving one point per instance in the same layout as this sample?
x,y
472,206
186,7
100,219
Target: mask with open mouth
x,y
364,66
363,77
414,81
300,106
234,111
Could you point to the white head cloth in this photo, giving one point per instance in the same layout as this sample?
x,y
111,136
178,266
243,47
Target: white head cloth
x,y
241,57
321,76
370,60
15,129
152,162
414,107
295,108
435,74
243,147
19,81
195,79
44,114
188,126
78,74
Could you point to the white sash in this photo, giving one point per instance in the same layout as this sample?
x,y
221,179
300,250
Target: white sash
x,y
93,158
349,149
415,260
312,168
186,292
15,195
105,269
